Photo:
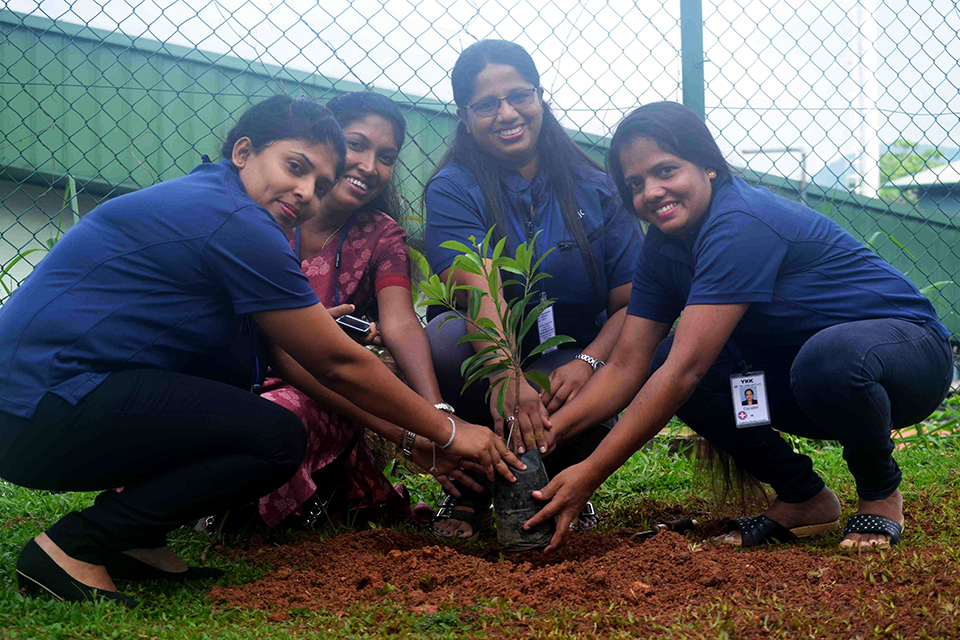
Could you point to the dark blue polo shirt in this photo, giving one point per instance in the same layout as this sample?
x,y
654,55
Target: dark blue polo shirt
x,y
799,270
150,279
456,210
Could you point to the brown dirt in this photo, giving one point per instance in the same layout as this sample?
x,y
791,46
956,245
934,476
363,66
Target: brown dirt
x,y
668,580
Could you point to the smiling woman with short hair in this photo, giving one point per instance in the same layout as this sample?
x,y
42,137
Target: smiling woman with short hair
x,y
93,348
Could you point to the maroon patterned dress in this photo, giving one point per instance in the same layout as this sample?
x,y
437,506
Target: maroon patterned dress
x,y
373,256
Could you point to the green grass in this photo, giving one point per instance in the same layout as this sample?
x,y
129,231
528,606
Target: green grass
x,y
652,485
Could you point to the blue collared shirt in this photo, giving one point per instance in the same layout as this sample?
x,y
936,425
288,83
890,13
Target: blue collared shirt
x,y
150,279
799,270
456,210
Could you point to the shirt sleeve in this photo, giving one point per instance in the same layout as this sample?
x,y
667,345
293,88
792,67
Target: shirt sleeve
x,y
250,257
391,262
650,298
451,215
622,243
737,260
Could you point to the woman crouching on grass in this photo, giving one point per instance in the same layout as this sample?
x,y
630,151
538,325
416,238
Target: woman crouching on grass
x,y
92,347
768,292
354,252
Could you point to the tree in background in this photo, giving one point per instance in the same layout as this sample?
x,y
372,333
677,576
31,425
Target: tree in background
x,y
905,158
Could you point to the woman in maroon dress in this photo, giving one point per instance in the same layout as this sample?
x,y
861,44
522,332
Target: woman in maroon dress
x,y
355,256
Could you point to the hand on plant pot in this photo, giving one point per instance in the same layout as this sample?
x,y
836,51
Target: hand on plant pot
x,y
449,467
551,438
565,384
531,420
567,493
482,446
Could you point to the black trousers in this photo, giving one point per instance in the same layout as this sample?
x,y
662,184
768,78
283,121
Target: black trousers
x,y
180,446
853,382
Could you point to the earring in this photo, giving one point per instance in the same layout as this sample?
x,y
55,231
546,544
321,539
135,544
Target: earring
x,y
711,174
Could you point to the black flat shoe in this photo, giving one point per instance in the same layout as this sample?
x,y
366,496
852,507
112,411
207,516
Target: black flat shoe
x,y
36,571
120,566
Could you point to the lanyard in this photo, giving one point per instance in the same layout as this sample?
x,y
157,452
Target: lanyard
x,y
254,360
545,236
336,262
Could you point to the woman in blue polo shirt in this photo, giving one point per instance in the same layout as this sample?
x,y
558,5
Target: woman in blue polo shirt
x,y
512,165
93,345
767,291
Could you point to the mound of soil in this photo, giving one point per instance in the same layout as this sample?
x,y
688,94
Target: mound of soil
x,y
664,579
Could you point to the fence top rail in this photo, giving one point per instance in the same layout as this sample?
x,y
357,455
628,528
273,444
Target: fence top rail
x,y
79,32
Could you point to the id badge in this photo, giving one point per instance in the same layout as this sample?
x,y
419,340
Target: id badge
x,y
749,391
547,328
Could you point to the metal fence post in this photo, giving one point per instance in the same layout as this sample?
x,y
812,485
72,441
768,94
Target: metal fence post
x,y
691,52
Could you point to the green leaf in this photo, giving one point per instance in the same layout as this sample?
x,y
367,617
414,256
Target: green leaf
x,y
522,258
549,343
537,278
517,309
537,265
474,337
487,239
486,323
532,318
474,303
477,360
494,386
498,250
493,279
487,371
538,378
501,394
465,263
12,263
420,260
456,246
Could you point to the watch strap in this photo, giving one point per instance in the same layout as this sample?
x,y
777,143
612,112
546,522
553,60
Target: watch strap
x,y
409,440
590,360
443,406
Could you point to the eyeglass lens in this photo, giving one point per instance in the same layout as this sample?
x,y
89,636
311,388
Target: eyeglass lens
x,y
490,106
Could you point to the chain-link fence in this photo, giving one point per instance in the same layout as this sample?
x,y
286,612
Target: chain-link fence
x,y
850,105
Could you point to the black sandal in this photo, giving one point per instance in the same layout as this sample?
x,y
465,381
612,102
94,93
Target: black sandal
x,y
866,523
589,518
450,508
757,530
120,566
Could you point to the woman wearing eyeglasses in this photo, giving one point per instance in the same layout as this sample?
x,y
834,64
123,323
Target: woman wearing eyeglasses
x,y
512,165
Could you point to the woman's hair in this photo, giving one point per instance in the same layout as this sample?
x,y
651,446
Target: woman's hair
x,y
357,105
284,118
559,156
676,130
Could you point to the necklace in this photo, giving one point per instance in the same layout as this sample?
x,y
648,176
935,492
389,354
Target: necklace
x,y
323,245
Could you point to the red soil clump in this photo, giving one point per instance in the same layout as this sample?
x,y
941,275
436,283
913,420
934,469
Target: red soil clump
x,y
665,579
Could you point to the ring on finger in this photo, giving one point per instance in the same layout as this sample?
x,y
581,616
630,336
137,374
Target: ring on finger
x,y
510,418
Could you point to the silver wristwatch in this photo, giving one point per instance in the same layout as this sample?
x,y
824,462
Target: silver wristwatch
x,y
409,440
443,406
590,360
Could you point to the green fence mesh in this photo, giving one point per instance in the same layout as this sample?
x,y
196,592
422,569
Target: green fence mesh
x,y
850,105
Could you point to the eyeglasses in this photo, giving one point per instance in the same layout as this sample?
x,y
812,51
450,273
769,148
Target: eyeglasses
x,y
518,99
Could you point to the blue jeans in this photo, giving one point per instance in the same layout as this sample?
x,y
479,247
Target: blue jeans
x,y
853,383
